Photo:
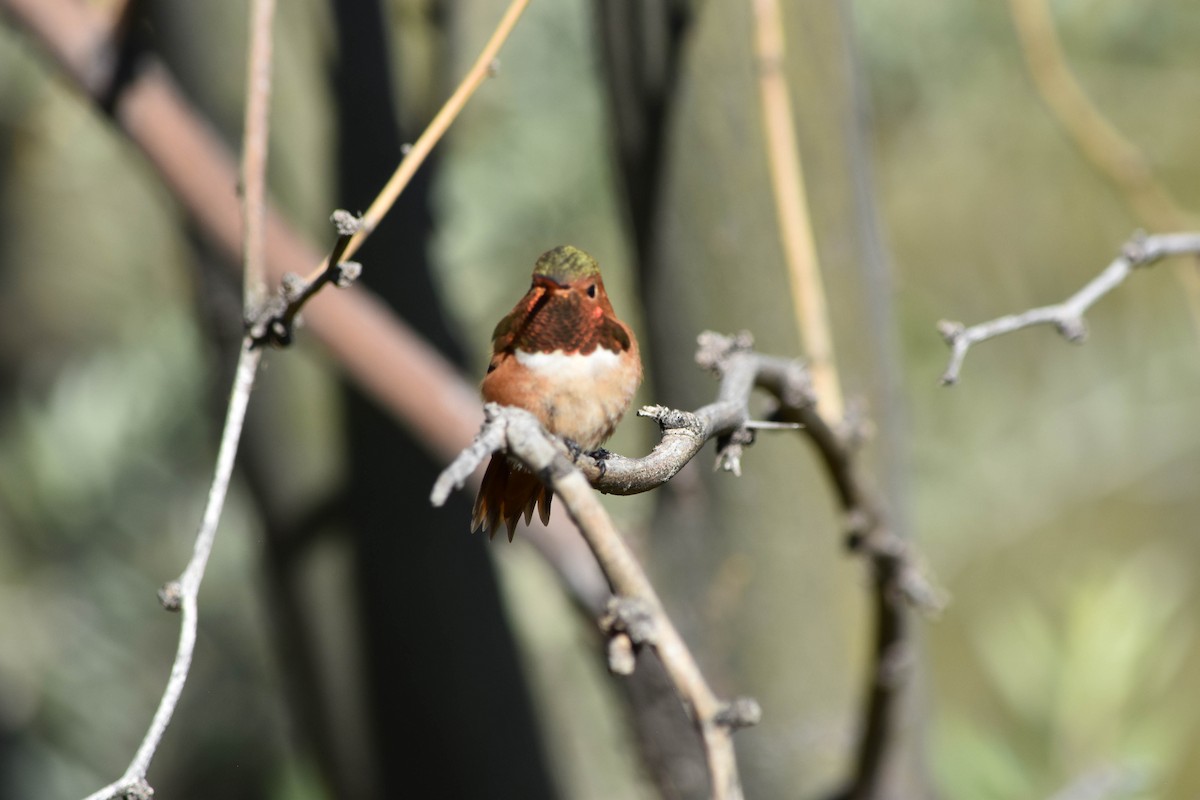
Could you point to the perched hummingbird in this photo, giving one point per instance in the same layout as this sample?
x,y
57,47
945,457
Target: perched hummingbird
x,y
563,355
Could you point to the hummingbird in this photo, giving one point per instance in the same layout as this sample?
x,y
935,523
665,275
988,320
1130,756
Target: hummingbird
x,y
563,355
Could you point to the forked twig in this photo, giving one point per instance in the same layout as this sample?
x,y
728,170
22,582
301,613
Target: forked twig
x,y
483,68
182,594
897,578
636,615
1067,316
1116,157
275,324
270,322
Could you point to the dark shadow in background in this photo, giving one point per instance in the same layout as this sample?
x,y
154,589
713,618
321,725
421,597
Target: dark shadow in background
x,y
452,716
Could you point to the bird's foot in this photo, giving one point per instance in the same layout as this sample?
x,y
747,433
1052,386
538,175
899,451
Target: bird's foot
x,y
601,456
573,447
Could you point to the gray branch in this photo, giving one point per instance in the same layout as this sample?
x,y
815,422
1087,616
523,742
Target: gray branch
x,y
1068,316
639,616
181,595
631,619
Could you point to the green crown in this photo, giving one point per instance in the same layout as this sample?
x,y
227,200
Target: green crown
x,y
566,264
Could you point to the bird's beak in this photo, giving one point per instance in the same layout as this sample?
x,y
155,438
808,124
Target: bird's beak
x,y
548,283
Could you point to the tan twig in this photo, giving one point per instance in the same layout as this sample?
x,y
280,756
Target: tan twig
x,y
1067,316
388,360
795,223
483,68
1112,154
275,325
254,155
638,615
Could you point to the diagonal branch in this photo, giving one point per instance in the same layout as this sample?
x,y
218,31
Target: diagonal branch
x,y
270,322
636,616
483,68
1068,316
897,579
181,595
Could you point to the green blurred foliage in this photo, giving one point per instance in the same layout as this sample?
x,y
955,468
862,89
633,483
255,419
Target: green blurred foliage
x,y
1056,485
1053,492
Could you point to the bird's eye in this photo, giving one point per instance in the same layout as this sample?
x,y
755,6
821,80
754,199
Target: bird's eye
x,y
592,290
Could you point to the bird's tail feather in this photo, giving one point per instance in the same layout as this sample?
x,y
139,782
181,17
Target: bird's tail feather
x,y
507,493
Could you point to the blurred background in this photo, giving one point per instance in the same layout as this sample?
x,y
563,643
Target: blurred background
x,y
355,643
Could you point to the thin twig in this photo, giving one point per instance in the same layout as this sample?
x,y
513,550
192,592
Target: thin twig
x,y
387,359
638,613
274,323
1067,316
254,154
795,223
66,31
1110,152
276,327
483,68
181,595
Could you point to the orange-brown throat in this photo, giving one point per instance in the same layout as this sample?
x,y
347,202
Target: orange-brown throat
x,y
573,317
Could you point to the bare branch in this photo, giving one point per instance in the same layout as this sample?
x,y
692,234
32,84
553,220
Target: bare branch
x,y
684,433
1067,316
1113,155
276,325
181,595
642,618
898,581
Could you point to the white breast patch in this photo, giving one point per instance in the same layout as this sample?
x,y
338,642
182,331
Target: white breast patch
x,y
563,365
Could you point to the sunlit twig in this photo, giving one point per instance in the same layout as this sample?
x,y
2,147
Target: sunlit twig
x,y
1068,316
795,224
1112,154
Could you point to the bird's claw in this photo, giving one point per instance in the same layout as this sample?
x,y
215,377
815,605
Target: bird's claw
x,y
601,457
